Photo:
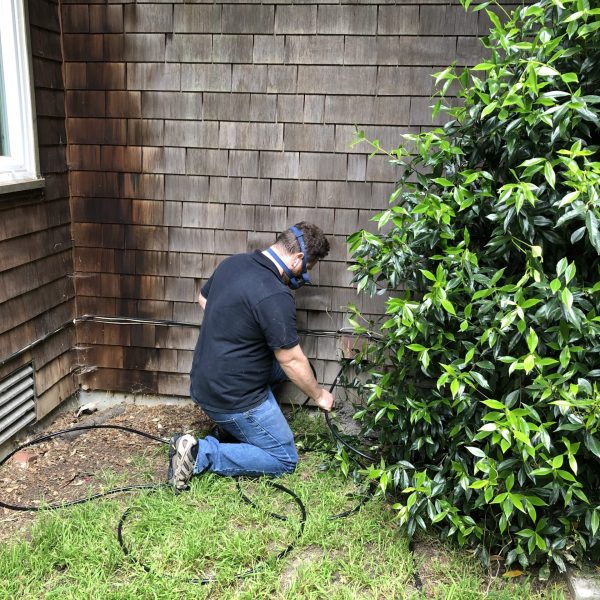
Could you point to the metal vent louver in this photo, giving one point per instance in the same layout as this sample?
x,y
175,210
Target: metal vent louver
x,y
17,405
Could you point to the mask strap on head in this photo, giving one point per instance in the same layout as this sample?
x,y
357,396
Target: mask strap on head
x,y
300,237
295,282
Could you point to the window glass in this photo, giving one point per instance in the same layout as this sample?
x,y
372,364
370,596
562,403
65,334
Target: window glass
x,y
18,153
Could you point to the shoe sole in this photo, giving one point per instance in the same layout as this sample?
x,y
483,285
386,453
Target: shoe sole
x,y
183,461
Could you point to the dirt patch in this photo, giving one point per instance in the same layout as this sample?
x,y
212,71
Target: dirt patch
x,y
303,559
69,467
433,559
430,558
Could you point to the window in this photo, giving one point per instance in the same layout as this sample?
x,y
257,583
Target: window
x,y
18,146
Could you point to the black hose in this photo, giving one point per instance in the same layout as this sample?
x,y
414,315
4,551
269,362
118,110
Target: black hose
x,y
334,430
47,436
336,435
341,440
152,487
35,343
156,486
206,580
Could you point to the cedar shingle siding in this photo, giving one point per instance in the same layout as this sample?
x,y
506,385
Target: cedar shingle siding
x,y
196,131
36,265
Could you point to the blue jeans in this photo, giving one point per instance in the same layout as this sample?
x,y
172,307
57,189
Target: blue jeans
x,y
266,441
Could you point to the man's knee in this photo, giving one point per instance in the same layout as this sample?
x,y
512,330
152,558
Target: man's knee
x,y
287,459
288,467
290,463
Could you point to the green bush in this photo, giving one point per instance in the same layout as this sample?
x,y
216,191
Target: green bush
x,y
483,381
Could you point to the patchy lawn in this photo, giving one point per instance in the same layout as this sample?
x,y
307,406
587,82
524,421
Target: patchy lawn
x,y
73,553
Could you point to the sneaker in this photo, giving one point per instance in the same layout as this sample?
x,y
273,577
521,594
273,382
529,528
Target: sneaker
x,y
183,450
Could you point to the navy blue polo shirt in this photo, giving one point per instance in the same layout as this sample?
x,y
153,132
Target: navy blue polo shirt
x,y
249,313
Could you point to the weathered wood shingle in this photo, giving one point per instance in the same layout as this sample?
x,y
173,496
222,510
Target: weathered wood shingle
x,y
37,294
198,130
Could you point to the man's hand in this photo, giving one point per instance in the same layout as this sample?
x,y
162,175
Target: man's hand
x,y
325,400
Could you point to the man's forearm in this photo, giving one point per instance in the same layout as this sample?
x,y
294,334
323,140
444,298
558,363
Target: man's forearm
x,y
296,366
300,374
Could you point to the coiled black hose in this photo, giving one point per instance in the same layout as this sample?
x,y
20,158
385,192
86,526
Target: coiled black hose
x,y
205,580
156,486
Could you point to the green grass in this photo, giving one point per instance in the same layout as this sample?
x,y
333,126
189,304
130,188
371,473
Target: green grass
x,y
209,531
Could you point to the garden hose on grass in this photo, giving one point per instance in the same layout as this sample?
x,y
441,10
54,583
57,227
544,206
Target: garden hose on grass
x,y
153,487
206,580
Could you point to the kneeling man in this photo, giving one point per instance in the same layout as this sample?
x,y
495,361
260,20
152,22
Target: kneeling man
x,y
247,343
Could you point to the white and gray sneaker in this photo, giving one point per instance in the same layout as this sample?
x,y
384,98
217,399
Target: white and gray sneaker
x,y
183,450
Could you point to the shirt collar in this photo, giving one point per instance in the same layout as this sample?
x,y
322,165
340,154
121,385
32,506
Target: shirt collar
x,y
259,257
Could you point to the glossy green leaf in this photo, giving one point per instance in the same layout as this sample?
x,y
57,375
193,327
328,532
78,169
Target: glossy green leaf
x,y
489,256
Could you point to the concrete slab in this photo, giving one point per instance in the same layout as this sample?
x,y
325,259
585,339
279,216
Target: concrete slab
x,y
584,584
104,400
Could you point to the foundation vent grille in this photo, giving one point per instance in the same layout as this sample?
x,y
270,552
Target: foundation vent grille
x,y
17,402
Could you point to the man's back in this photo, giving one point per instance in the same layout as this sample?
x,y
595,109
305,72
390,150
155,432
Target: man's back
x,y
249,313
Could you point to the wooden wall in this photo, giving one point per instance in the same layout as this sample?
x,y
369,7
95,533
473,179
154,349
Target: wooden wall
x,y
199,129
36,265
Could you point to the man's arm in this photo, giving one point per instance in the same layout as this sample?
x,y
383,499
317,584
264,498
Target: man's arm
x,y
205,292
202,301
296,366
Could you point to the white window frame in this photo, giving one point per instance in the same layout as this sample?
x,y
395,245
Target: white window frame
x,y
19,168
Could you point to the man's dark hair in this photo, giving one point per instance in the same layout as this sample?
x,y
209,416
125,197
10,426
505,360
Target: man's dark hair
x,y
316,243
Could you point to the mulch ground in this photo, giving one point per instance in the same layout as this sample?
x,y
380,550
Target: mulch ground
x,y
76,465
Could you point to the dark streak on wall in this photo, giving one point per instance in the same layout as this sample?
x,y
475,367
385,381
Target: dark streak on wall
x,y
36,262
200,130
